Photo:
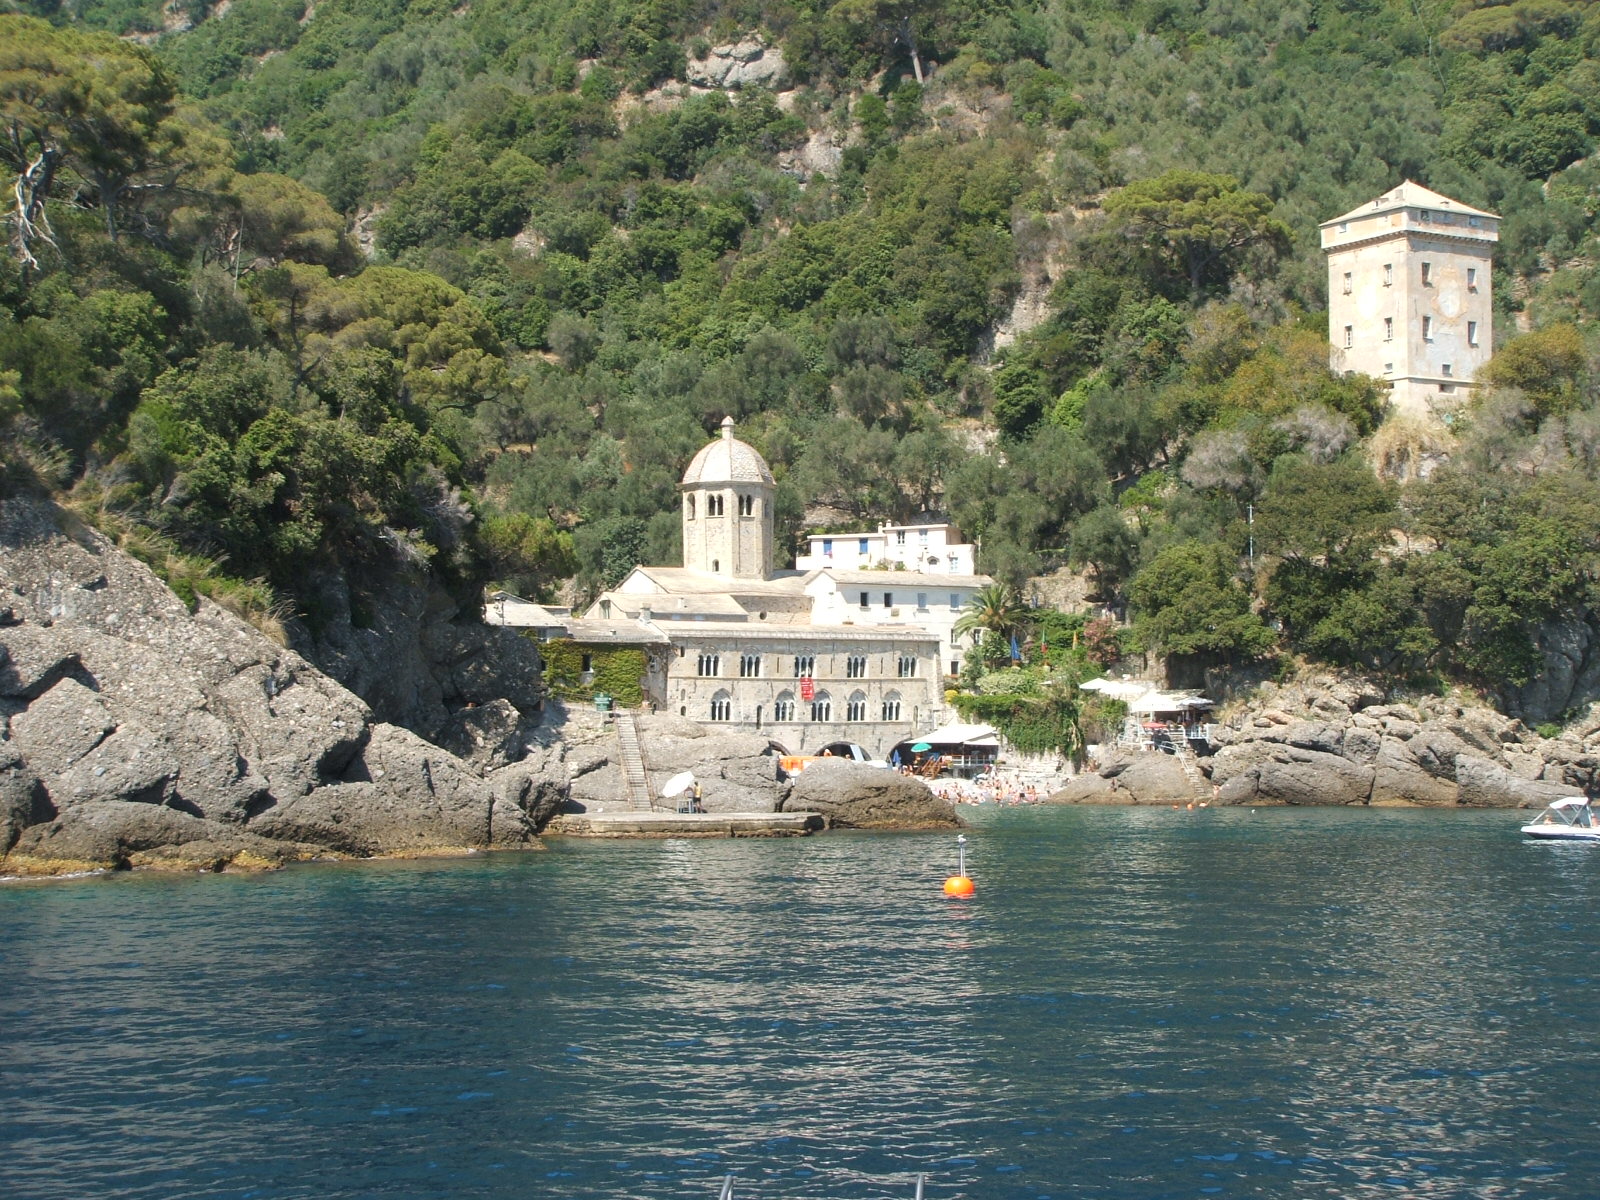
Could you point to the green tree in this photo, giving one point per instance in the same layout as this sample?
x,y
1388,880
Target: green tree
x,y
1188,602
1195,221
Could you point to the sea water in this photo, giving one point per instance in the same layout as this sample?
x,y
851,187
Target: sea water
x,y
1136,1003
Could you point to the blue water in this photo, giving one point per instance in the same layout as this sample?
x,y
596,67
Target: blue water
x,y
1138,1003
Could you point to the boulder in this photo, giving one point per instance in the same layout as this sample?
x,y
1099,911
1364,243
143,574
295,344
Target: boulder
x,y
1485,784
851,795
1280,774
119,834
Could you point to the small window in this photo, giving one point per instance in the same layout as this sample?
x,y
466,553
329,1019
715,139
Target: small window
x,y
1472,333
855,666
721,708
1388,329
888,599
1388,274
955,601
688,506
1349,286
1472,279
1447,387
1349,336
1474,222
827,547
908,666
749,666
1427,329
804,665
865,602
900,537
922,601
1344,226
1427,274
855,708
891,708
1388,368
716,566
747,506
1426,215
783,707
587,663
822,707
861,547
1444,369
709,665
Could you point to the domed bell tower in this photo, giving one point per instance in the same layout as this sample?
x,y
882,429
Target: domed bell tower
x,y
727,509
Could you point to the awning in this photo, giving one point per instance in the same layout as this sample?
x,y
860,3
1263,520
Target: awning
x,y
956,734
1117,689
1153,702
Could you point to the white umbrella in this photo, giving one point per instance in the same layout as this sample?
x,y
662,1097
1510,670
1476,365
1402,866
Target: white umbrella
x,y
678,785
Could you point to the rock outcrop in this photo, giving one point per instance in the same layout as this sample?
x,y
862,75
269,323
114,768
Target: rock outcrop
x,y
136,731
578,750
749,62
850,795
1337,741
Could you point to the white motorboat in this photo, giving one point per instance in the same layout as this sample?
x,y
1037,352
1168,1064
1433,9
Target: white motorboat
x,y
1570,819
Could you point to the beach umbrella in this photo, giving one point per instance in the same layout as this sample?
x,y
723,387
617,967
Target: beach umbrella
x,y
920,747
678,785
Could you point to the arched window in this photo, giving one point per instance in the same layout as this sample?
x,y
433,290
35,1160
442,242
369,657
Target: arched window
x,y
708,664
722,707
855,708
822,707
855,666
747,506
688,505
891,707
783,707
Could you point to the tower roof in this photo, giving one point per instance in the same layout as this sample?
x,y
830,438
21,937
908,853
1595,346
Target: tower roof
x,y
727,460
1410,195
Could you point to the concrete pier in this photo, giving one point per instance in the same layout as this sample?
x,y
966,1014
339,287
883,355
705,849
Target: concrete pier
x,y
624,822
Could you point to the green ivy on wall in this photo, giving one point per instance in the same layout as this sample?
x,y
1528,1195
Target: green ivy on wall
x,y
617,671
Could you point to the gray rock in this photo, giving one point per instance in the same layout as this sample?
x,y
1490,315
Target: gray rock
x,y
1485,784
488,736
23,800
850,795
1398,779
1279,774
118,834
749,62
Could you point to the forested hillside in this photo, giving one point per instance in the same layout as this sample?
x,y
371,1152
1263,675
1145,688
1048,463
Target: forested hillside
x,y
409,286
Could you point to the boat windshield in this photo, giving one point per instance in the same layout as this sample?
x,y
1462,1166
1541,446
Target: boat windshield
x,y
1574,810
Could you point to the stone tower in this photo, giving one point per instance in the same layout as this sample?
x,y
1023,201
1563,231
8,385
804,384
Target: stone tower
x,y
1409,297
727,510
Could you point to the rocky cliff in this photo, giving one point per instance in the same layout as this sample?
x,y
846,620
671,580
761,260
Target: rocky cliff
x,y
138,733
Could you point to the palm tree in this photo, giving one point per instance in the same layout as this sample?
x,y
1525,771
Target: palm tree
x,y
995,610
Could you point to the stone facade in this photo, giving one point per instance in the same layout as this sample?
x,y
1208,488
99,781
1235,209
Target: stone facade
x,y
1410,297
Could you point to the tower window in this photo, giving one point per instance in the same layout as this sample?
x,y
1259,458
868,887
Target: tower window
x,y
688,507
1348,285
1444,369
1427,329
1426,215
1472,333
1349,336
1472,279
1427,274
1388,329
1388,274
747,506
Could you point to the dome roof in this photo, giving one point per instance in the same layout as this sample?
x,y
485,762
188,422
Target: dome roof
x,y
727,460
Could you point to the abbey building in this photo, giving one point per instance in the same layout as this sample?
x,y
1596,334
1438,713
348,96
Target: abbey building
x,y
852,652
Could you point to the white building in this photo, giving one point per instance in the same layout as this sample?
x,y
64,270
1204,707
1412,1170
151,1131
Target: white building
x,y
808,656
1409,296
924,549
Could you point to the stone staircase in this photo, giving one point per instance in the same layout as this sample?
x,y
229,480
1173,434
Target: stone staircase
x,y
1198,784
634,775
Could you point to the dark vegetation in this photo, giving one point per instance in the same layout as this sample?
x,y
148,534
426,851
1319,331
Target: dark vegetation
x,y
571,281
